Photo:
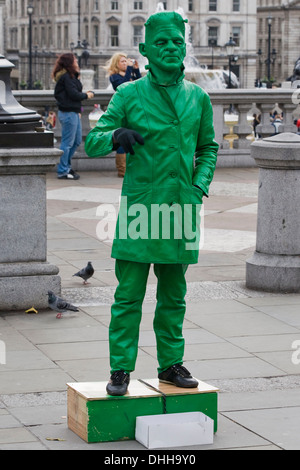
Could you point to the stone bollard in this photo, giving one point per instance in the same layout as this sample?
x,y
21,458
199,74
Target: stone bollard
x,y
26,155
275,265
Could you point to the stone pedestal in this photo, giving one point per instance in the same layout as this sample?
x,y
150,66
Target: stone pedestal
x,y
25,275
275,266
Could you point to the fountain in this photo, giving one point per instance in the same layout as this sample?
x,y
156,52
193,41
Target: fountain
x,y
160,7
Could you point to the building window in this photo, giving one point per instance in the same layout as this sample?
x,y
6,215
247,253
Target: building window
x,y
191,5
114,36
137,35
213,32
59,42
66,37
236,5
192,34
35,35
213,5
96,36
86,32
236,35
114,6
23,41
50,37
137,5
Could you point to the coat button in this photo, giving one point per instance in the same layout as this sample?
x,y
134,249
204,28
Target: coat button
x,y
173,174
175,122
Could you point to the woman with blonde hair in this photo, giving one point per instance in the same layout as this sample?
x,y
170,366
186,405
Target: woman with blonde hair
x,y
121,69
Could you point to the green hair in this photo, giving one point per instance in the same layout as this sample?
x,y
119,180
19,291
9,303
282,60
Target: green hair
x,y
165,18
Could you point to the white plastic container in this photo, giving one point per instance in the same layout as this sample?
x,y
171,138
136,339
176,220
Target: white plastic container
x,y
174,430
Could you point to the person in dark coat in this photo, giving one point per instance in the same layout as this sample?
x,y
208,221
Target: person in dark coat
x,y
69,95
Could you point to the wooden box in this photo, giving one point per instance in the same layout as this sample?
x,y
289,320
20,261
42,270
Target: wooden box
x,y
97,417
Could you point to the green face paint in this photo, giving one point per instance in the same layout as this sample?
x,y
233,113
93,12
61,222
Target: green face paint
x,y
165,46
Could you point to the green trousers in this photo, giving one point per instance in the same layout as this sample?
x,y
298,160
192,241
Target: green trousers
x,y
126,314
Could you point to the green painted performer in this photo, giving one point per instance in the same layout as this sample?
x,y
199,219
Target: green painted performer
x,y
165,124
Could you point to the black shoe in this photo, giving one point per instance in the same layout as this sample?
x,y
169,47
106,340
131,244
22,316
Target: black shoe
x,y
118,384
74,174
70,176
179,376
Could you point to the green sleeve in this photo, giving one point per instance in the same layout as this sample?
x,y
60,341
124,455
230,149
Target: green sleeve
x,y
99,141
206,150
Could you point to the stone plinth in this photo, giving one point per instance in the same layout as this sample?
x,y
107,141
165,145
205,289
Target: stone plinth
x,y
275,265
25,275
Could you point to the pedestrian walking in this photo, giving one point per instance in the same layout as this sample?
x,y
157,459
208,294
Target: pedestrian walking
x,y
165,123
255,123
121,69
69,95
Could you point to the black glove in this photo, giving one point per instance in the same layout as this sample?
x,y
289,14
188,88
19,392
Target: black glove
x,y
127,138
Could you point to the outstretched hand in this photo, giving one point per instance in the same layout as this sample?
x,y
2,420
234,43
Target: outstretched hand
x,y
127,138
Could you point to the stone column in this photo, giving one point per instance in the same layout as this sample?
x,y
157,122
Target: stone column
x,y
26,155
243,129
275,265
265,128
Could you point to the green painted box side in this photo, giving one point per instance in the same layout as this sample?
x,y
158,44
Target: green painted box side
x,y
207,403
115,419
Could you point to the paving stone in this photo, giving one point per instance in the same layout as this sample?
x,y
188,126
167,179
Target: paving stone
x,y
237,339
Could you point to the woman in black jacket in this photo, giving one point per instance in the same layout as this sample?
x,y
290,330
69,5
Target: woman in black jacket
x,y
68,94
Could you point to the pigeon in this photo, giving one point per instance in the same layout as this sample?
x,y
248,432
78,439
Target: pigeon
x,y
86,273
59,305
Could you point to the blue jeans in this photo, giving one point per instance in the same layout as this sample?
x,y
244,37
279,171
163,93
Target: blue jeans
x,y
71,138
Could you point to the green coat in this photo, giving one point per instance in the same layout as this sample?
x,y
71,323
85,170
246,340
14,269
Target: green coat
x,y
159,217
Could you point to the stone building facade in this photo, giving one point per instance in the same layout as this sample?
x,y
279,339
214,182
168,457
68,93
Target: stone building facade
x,y
109,26
285,36
2,7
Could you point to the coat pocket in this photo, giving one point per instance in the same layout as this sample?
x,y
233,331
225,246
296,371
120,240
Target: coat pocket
x,y
191,195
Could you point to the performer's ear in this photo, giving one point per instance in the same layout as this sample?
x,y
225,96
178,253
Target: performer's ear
x,y
142,49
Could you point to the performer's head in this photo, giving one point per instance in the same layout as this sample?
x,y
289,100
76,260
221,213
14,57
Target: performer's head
x,y
164,45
